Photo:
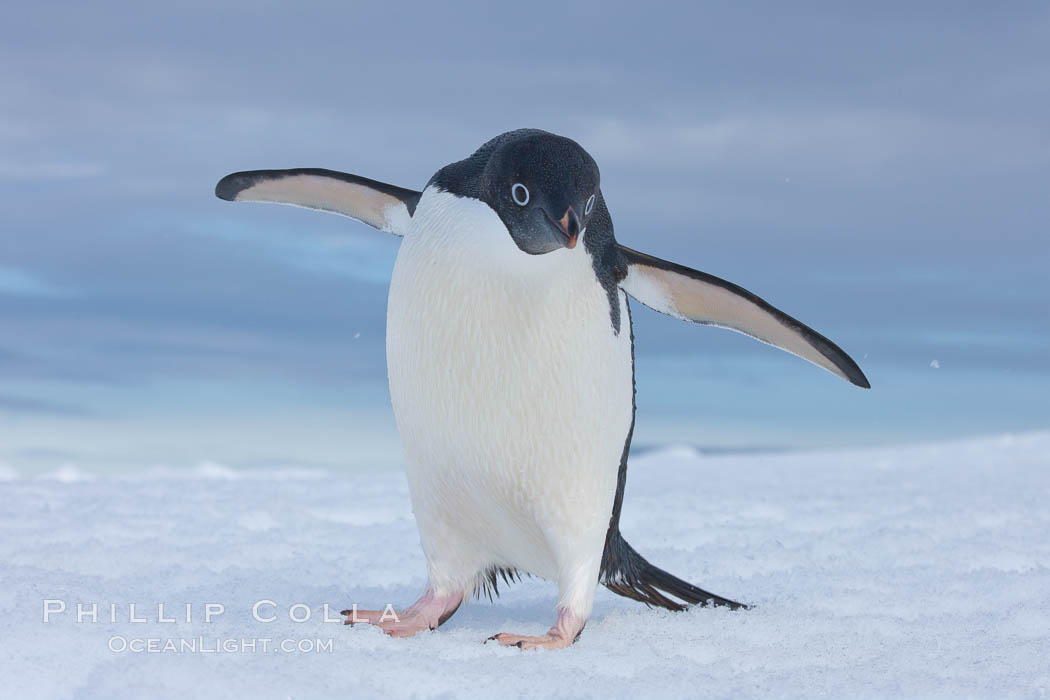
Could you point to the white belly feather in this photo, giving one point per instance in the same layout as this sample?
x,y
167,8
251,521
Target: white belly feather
x,y
511,392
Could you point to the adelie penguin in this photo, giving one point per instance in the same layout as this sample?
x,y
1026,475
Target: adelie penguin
x,y
510,354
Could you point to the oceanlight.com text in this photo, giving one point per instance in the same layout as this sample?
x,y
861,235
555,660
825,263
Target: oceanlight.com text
x,y
218,645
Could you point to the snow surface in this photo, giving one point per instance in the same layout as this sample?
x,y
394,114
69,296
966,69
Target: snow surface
x,y
915,571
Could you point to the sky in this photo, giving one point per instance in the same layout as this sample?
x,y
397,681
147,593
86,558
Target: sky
x,y
881,173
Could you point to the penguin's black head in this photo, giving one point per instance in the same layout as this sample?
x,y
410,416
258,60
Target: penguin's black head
x,y
543,187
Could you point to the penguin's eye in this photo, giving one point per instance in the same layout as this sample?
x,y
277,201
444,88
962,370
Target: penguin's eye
x,y
589,206
520,193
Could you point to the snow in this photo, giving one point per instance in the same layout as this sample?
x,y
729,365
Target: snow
x,y
917,571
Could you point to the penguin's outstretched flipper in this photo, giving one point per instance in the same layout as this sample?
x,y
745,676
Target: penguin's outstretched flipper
x,y
695,296
386,207
625,572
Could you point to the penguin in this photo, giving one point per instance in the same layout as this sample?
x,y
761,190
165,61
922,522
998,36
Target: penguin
x,y
510,355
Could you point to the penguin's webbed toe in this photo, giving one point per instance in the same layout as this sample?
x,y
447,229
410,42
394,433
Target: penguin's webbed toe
x,y
547,641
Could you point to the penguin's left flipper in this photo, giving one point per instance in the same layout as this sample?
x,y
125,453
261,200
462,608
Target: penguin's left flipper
x,y
386,207
691,295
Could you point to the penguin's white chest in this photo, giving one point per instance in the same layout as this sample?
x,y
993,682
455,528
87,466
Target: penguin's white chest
x,y
512,392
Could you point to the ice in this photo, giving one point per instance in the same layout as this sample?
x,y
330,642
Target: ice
x,y
68,473
7,472
921,570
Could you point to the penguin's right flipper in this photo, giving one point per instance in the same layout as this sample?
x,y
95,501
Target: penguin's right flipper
x,y
386,207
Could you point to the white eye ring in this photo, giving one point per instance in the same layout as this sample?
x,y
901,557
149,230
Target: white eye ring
x,y
520,194
589,206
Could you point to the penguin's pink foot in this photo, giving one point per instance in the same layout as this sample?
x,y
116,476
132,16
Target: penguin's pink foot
x,y
564,632
394,623
427,613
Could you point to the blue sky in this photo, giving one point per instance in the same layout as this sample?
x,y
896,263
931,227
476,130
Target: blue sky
x,y
882,173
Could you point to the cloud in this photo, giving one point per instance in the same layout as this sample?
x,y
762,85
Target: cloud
x,y
366,255
852,146
23,404
11,170
22,283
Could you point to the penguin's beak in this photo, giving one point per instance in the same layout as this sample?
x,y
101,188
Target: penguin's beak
x,y
569,226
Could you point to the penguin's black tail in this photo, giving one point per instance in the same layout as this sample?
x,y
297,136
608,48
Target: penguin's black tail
x,y
625,572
